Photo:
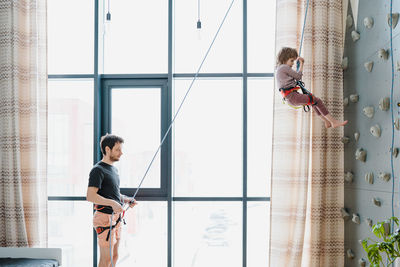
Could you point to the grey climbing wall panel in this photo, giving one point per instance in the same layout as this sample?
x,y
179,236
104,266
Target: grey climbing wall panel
x,y
371,87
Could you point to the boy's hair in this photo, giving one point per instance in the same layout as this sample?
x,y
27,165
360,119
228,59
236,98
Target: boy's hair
x,y
109,140
285,54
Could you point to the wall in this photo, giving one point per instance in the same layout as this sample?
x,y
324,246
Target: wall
x,y
370,86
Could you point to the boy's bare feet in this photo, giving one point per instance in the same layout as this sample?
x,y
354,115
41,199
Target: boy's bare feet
x,y
328,124
339,123
334,122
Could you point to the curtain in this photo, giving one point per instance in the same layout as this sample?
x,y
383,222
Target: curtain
x,y
23,123
307,159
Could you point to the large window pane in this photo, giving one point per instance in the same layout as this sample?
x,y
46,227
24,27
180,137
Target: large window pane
x,y
207,234
136,115
144,236
208,139
71,229
261,35
136,38
257,234
191,43
70,36
70,136
259,136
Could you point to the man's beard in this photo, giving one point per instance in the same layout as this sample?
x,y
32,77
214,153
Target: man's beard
x,y
112,158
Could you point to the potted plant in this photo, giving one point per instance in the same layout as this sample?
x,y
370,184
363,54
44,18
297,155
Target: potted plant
x,y
388,246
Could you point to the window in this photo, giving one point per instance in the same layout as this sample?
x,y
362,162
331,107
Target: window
x,y
261,35
208,139
145,235
138,112
141,107
259,136
136,38
214,237
191,44
205,198
69,228
70,136
70,37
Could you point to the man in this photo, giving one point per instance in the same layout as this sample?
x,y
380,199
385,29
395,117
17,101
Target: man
x,y
103,190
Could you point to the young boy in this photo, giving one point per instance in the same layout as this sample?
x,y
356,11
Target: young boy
x,y
287,79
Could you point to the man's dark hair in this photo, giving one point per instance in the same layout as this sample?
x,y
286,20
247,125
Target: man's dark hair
x,y
109,140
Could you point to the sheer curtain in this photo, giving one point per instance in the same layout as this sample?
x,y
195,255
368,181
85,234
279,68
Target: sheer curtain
x,y
307,166
23,123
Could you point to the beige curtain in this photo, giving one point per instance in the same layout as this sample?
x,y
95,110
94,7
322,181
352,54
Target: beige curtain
x,y
307,168
23,123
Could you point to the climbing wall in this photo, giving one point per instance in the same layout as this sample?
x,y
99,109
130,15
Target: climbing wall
x,y
368,135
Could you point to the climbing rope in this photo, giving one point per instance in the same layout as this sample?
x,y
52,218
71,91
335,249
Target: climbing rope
x,y
111,237
169,128
305,107
391,106
302,33
180,106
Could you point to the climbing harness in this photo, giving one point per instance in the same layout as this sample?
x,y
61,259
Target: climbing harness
x,y
300,85
310,96
101,229
286,91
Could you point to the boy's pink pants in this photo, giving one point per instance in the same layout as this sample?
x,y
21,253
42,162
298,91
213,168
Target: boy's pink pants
x,y
297,99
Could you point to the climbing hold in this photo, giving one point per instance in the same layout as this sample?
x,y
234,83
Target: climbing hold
x,y
375,130
386,227
369,177
350,254
369,111
349,21
356,218
395,152
368,22
369,65
362,262
395,19
361,155
368,221
345,63
348,177
376,201
398,65
384,103
346,101
397,123
383,54
345,139
384,176
345,214
355,36
354,98
356,136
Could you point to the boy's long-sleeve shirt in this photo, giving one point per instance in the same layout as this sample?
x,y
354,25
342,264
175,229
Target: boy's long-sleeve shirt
x,y
286,77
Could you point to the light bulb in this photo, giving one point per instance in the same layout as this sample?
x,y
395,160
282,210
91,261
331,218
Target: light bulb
x,y
198,29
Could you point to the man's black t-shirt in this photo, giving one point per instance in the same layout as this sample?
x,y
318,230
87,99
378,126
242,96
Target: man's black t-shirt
x,y
106,178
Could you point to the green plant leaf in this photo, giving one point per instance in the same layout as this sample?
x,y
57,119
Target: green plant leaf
x,y
388,245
